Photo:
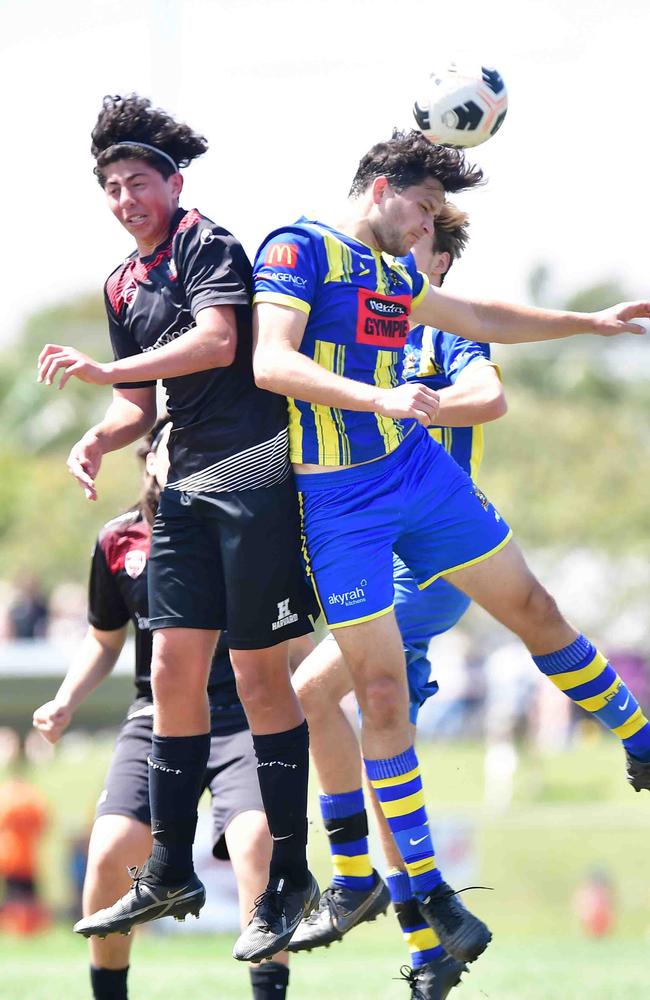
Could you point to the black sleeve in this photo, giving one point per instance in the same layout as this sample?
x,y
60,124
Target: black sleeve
x,y
212,267
123,344
106,608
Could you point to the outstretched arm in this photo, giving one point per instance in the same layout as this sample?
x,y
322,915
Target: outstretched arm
x,y
501,323
96,658
210,344
279,366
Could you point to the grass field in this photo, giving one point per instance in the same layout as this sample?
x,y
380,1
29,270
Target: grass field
x,y
570,813
361,968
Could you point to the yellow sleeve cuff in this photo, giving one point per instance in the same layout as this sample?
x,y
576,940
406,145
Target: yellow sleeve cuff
x,y
279,299
425,288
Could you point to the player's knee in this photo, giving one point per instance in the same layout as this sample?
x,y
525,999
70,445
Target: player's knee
x,y
260,691
107,866
540,608
311,696
172,684
382,702
254,851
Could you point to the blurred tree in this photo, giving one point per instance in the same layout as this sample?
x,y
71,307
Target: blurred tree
x,y
567,462
565,465
46,525
38,418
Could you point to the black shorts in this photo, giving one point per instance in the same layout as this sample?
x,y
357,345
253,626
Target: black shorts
x,y
231,560
231,776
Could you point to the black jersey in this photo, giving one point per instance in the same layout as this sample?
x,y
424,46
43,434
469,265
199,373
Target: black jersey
x,y
227,433
118,594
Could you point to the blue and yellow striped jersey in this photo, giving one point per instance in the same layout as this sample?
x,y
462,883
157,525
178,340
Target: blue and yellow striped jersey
x,y
358,301
436,359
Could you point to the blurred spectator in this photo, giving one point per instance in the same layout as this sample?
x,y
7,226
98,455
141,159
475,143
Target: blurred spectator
x,y
23,820
594,903
68,621
455,711
510,686
77,864
28,612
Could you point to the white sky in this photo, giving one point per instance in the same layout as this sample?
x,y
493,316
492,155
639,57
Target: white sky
x,y
291,93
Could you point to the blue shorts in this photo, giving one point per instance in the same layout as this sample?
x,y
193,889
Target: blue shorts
x,y
416,502
421,614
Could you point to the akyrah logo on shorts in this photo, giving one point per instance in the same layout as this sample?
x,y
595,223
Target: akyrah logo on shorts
x,y
285,616
350,597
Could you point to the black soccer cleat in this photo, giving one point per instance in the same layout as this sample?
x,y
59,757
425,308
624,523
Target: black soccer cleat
x,y
461,934
638,772
278,912
338,912
146,900
435,980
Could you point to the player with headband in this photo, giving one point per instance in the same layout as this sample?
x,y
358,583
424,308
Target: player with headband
x,y
224,549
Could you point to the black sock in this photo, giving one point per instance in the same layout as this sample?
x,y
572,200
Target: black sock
x,y
176,773
109,984
283,772
270,981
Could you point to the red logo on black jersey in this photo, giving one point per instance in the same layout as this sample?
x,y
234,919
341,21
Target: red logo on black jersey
x,y
134,562
282,255
382,321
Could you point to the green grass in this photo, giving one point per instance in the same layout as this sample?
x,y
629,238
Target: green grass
x,y
364,967
570,813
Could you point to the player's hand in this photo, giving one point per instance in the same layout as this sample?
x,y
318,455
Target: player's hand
x,y
620,319
69,361
410,400
52,720
84,461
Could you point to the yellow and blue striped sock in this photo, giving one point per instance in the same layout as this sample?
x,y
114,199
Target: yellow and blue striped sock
x,y
585,676
422,943
346,823
398,785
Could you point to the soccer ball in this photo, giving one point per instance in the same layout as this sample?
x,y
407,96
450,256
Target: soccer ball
x,y
462,107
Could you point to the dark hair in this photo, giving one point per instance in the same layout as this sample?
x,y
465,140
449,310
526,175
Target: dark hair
x,y
150,494
132,118
408,158
450,233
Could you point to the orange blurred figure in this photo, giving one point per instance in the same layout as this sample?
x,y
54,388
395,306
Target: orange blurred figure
x,y
594,904
23,820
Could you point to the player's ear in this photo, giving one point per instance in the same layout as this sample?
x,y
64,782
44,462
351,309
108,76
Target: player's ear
x,y
441,263
176,184
378,188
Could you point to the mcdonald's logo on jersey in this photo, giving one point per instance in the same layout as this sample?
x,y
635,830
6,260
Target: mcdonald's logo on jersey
x,y
282,255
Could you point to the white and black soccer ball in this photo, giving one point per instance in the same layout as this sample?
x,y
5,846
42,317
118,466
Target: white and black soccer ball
x,y
462,107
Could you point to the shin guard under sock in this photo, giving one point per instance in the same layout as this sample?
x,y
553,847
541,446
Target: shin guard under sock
x,y
283,772
176,774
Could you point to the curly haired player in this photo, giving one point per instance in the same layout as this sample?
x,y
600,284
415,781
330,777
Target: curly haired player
x,y
224,550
